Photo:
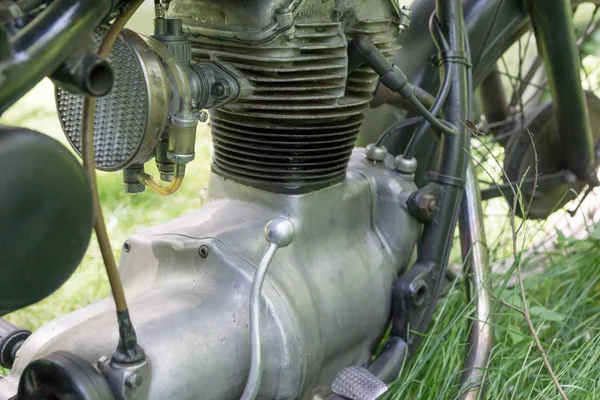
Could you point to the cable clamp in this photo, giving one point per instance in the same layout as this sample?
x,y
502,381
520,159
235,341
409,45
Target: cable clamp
x,y
453,56
446,179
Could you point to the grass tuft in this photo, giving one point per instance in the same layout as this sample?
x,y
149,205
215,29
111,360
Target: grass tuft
x,y
565,309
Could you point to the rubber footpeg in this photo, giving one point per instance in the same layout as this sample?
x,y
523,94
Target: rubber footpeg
x,y
357,383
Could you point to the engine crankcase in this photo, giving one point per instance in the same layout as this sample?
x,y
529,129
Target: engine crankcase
x,y
326,297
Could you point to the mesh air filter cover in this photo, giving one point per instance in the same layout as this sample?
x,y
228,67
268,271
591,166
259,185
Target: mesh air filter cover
x,y
129,120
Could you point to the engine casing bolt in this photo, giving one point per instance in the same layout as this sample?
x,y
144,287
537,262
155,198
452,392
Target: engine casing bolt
x,y
375,153
203,251
134,380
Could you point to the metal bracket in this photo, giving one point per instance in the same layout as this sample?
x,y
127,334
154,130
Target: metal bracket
x,y
411,294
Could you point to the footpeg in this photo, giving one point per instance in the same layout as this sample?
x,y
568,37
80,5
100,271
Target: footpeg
x,y
357,383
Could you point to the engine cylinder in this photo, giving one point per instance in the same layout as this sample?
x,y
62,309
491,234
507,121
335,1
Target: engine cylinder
x,y
293,131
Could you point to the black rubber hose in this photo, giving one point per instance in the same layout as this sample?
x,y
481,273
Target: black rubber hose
x,y
442,126
362,50
442,44
397,127
392,77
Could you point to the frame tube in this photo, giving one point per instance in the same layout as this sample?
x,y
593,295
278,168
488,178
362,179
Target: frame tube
x,y
552,22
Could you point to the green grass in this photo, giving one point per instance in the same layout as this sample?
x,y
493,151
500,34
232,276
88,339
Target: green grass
x,y
565,308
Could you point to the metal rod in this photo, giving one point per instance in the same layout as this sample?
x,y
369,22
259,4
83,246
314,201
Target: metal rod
x,y
557,44
475,256
434,248
279,233
128,349
255,375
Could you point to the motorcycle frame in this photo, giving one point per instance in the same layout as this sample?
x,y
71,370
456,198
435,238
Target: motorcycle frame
x,y
511,18
488,16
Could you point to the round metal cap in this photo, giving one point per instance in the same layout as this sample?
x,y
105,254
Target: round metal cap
x,y
375,153
405,165
280,232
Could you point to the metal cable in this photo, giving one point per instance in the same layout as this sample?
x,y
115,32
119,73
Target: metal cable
x,y
396,128
440,100
89,163
441,126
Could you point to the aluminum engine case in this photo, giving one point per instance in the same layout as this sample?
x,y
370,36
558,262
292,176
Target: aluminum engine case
x,y
327,295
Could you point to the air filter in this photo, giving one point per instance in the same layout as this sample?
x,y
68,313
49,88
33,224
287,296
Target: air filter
x,y
130,119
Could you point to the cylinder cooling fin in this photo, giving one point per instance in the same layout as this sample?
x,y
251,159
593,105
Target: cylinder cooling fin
x,y
294,130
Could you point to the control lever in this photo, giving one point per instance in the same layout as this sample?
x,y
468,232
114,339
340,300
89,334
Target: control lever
x,y
279,232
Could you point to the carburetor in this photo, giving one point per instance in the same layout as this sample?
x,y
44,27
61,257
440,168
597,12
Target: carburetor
x,y
153,110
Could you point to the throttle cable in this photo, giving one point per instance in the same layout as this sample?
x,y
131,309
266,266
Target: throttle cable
x,y
363,50
442,44
128,350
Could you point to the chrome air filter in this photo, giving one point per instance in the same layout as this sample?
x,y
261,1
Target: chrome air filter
x,y
129,120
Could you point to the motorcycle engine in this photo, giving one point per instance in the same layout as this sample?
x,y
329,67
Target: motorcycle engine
x,y
283,147
294,128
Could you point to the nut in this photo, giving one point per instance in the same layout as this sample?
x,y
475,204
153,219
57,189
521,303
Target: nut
x,y
221,89
427,206
375,153
133,187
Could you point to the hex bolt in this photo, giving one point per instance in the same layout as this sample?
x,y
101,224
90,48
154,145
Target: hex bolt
x,y
427,206
134,380
131,183
221,89
132,188
203,251
375,153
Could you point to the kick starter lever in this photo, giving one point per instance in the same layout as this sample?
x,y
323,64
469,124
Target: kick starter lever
x,y
279,232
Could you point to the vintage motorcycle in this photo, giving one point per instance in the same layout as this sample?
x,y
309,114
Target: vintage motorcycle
x,y
309,252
